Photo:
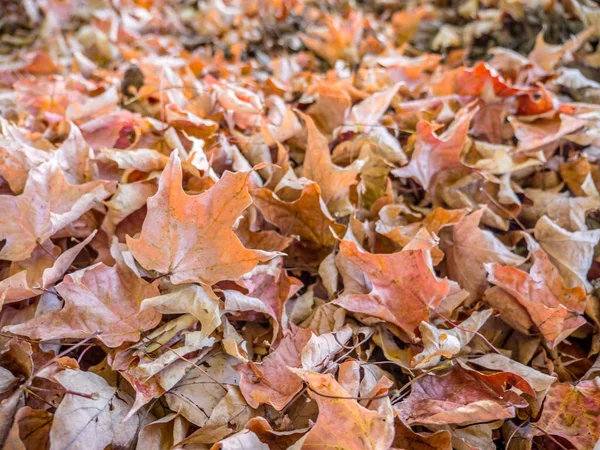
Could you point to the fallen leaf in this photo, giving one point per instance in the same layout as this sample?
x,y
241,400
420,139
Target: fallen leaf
x,y
190,238
364,429
47,204
404,286
433,153
97,298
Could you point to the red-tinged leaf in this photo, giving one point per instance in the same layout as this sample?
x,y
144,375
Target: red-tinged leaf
x,y
191,237
551,305
433,153
463,397
404,286
572,412
271,382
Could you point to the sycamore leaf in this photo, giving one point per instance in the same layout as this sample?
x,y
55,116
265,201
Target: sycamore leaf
x,y
191,237
333,180
572,412
470,248
434,153
571,252
97,298
362,429
47,204
82,423
404,286
463,397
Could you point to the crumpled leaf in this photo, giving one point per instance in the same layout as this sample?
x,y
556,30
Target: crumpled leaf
x,y
469,249
190,238
434,153
272,382
306,216
440,343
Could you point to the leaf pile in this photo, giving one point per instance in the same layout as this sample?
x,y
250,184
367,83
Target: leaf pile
x,y
287,224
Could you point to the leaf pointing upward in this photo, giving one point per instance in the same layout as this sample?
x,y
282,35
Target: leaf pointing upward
x,y
191,237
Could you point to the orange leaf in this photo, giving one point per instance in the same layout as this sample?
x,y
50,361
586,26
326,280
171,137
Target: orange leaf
x,y
191,237
404,286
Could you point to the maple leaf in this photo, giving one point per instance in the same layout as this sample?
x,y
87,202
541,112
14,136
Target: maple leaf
x,y
363,428
469,249
404,286
333,180
30,430
31,276
92,422
463,397
191,237
571,252
571,412
97,298
47,204
433,153
271,382
306,216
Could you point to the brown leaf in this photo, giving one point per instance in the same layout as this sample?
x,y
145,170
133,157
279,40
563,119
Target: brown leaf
x,y
97,298
306,216
30,430
47,204
463,397
333,180
469,249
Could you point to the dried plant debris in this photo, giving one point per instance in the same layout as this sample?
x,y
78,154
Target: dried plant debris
x,y
290,224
